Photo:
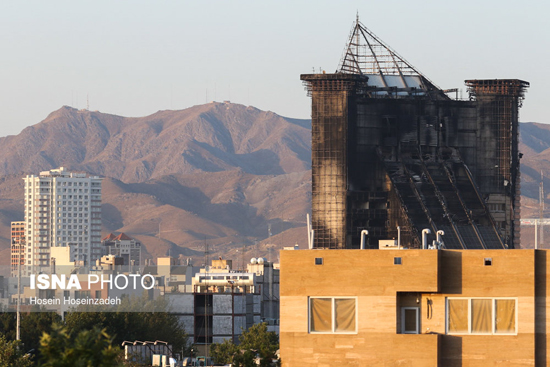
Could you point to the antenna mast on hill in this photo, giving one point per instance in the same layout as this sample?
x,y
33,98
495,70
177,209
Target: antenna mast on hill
x,y
206,252
88,101
541,206
244,249
269,241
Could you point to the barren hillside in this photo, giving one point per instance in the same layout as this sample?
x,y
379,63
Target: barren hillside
x,y
224,175
220,174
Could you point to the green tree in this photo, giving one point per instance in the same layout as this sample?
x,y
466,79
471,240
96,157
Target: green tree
x,y
256,341
11,355
87,348
137,318
8,324
245,358
264,343
33,325
223,353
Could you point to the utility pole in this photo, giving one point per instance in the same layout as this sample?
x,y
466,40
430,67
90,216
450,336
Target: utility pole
x,y
18,311
206,310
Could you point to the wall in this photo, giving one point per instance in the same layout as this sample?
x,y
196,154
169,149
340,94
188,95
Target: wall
x,y
463,274
429,276
542,314
374,280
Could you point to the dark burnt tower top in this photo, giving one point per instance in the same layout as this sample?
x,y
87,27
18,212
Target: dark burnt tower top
x,y
392,150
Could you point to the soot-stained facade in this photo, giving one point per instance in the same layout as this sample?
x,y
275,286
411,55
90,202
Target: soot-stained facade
x,y
394,154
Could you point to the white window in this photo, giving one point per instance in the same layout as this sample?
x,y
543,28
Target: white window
x,y
333,315
484,316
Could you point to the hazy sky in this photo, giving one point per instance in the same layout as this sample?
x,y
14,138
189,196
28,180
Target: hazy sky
x,y
133,58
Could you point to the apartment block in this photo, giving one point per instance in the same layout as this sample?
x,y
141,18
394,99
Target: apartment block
x,y
62,209
17,246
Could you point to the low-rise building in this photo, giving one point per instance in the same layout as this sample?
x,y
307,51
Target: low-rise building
x,y
224,302
415,307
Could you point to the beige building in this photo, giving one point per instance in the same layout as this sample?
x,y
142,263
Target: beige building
x,y
62,209
415,308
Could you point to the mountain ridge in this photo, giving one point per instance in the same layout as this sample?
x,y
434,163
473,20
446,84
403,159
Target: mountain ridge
x,y
222,173
212,137
227,175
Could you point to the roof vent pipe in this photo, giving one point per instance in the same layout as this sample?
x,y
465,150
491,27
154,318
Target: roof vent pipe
x,y
438,239
309,232
312,237
364,233
398,237
425,233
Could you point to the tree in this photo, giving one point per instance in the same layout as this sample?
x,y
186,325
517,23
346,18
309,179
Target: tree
x,y
264,343
86,348
11,355
244,358
254,341
223,353
33,325
137,318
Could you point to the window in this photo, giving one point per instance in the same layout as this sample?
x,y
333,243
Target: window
x,y
82,294
481,316
318,261
332,315
409,320
397,261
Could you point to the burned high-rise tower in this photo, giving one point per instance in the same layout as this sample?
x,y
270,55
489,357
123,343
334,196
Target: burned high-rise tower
x,y
393,154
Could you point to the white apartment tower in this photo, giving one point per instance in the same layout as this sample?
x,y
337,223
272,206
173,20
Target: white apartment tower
x,y
62,209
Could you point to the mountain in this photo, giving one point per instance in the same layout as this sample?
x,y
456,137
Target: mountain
x,y
212,138
535,145
220,174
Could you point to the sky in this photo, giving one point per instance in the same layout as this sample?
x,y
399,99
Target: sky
x,y
136,57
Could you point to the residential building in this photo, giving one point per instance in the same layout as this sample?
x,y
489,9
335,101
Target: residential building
x,y
267,281
415,308
17,247
62,209
123,246
224,301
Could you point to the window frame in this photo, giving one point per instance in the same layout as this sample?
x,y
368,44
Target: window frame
x,y
493,315
417,319
332,315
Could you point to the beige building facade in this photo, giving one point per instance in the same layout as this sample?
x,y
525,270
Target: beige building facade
x,y
414,308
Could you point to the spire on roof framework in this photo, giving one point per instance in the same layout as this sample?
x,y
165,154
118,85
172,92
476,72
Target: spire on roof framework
x,y
367,54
